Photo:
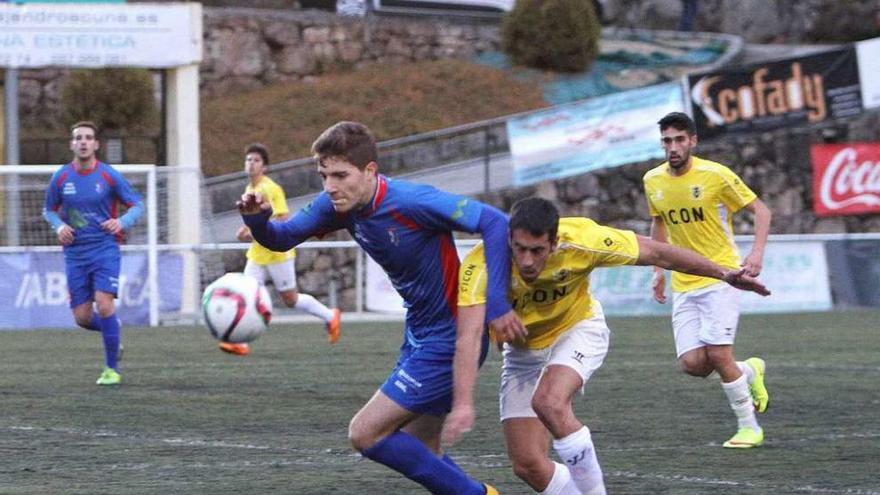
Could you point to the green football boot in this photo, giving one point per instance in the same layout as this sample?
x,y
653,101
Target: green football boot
x,y
745,438
109,377
759,393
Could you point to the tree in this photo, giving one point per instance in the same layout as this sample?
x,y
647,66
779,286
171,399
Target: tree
x,y
560,35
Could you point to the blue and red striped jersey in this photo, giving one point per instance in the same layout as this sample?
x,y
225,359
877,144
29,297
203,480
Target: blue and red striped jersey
x,y
407,230
85,199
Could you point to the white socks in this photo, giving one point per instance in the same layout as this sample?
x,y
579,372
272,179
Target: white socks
x,y
561,483
740,401
746,370
579,455
313,306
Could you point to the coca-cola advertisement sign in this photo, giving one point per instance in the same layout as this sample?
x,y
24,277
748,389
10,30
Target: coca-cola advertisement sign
x,y
846,178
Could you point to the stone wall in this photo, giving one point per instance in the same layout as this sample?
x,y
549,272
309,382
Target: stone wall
x,y
758,21
246,49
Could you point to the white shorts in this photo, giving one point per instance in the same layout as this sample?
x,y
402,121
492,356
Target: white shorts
x,y
705,316
282,274
582,348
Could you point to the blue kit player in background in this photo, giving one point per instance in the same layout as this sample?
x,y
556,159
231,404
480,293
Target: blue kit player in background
x,y
407,229
82,203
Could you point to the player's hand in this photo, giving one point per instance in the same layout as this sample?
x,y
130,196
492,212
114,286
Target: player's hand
x,y
508,327
244,234
458,422
753,263
113,226
65,235
743,281
658,285
252,203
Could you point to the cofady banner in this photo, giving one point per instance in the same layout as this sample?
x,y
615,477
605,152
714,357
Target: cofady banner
x,y
783,93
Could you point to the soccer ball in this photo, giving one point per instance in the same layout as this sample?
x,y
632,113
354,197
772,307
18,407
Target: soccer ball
x,y
237,308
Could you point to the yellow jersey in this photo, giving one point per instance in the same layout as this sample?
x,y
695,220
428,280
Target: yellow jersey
x,y
273,192
560,296
697,209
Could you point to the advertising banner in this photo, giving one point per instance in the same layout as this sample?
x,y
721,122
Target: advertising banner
x,y
587,135
796,273
782,93
868,54
846,178
34,290
103,35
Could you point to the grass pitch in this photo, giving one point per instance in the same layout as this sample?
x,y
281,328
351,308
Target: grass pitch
x,y
190,419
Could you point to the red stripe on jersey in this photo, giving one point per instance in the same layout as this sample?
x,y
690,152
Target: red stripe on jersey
x,y
61,178
449,262
402,220
107,177
381,191
114,213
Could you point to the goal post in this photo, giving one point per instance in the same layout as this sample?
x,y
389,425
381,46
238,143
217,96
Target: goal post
x,y
27,240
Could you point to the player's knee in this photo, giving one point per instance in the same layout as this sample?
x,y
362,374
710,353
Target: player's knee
x,y
290,298
358,437
549,407
719,356
695,367
84,321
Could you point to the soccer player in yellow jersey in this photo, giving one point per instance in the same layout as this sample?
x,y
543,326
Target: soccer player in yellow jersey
x,y
566,342
264,264
692,202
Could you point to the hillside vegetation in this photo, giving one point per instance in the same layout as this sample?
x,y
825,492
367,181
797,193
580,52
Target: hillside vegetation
x,y
394,100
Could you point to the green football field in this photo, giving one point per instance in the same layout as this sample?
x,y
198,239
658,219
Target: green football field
x,y
190,419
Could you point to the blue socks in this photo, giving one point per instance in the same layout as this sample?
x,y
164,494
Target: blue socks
x,y
407,455
95,324
110,331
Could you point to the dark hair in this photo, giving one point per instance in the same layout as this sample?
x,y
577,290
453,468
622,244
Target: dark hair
x,y
678,120
260,150
85,123
537,216
350,140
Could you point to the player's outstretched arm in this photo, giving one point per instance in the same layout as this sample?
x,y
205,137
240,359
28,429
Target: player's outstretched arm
x,y
675,258
317,218
465,366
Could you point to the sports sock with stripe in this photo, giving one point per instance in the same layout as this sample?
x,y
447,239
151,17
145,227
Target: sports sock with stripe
x,y
740,401
579,455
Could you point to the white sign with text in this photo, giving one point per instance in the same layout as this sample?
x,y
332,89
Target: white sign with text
x,y
134,35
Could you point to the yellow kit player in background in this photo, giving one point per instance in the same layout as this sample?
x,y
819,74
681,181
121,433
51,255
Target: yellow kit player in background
x,y
264,264
567,337
692,202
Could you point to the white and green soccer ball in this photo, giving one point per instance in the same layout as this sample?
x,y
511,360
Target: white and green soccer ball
x,y
237,308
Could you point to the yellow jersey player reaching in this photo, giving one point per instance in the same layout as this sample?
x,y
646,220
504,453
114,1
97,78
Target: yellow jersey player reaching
x,y
263,263
692,202
566,342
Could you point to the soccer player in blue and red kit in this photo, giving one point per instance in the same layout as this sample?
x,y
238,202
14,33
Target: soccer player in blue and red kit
x,y
407,229
82,203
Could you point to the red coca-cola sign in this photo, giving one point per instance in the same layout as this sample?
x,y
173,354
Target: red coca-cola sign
x,y
846,178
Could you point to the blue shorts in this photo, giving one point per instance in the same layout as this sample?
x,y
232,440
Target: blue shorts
x,y
85,276
421,382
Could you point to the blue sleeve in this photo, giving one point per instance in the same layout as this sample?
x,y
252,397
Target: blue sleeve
x,y
53,199
440,210
493,226
130,198
317,218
